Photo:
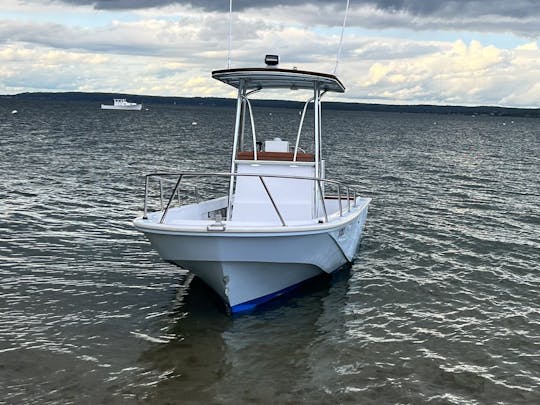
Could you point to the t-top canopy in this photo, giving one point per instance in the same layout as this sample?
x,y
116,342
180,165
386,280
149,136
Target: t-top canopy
x,y
272,78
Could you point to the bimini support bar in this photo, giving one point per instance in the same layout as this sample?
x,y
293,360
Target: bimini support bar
x,y
300,128
246,100
235,146
320,130
316,126
254,136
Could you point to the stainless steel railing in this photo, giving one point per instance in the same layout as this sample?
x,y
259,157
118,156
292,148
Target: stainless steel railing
x,y
166,177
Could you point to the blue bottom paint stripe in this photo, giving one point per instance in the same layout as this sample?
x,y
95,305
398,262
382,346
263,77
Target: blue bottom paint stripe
x,y
250,305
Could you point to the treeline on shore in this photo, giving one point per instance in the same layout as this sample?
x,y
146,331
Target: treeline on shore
x,y
106,98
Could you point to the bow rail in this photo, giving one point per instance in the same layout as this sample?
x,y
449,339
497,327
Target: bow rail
x,y
344,194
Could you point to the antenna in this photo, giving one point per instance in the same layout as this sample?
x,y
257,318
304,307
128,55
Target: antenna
x,y
341,38
230,35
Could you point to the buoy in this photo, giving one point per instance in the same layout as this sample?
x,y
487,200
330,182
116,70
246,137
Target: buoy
x,y
193,123
14,112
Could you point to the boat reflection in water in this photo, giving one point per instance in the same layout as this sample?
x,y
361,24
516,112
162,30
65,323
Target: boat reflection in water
x,y
217,359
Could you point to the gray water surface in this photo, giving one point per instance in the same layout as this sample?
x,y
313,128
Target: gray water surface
x,y
441,305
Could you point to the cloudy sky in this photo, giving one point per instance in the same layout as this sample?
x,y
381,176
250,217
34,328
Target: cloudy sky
x,y
461,52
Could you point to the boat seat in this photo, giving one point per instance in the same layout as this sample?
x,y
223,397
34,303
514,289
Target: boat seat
x,y
276,156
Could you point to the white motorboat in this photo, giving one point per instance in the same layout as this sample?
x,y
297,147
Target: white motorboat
x,y
121,104
278,221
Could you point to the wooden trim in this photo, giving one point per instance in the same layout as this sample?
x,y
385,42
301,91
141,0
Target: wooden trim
x,y
277,156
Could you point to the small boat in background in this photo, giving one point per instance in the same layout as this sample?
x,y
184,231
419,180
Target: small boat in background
x,y
121,104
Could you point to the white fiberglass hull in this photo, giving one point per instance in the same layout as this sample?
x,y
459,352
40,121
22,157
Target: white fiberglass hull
x,y
247,267
136,107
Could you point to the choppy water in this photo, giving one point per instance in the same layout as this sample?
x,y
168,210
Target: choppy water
x,y
442,304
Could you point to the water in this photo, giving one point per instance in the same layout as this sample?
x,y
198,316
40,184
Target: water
x,y
442,304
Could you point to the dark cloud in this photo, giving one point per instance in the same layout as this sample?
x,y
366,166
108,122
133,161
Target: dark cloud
x,y
436,8
208,5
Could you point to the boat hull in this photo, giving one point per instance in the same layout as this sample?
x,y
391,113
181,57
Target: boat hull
x,y
136,107
248,268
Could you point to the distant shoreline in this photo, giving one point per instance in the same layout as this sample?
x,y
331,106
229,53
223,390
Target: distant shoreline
x,y
215,101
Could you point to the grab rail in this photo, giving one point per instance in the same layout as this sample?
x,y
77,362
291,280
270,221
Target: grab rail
x,y
181,175
272,201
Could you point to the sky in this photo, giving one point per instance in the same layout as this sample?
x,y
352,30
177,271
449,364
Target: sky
x,y
454,52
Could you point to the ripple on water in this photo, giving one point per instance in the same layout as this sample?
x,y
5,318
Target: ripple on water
x,y
440,306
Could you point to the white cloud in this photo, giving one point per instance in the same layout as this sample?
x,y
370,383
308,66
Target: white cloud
x,y
460,74
172,50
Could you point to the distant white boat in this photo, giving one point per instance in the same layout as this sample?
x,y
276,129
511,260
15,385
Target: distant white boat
x,y
121,104
282,221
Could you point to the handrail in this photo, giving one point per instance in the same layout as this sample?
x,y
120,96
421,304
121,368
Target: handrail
x,y
161,180
146,180
170,199
323,202
261,177
272,201
339,197
161,194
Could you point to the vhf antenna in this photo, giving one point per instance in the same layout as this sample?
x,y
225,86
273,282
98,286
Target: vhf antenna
x,y
230,35
341,38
